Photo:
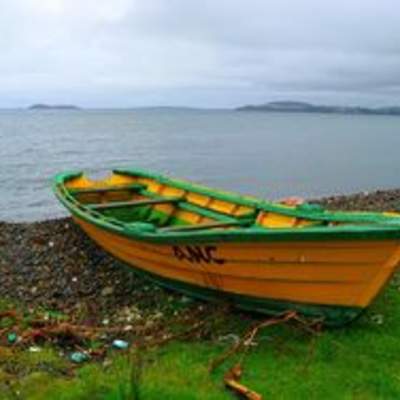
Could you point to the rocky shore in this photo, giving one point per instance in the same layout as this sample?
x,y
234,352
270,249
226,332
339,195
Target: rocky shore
x,y
54,265
379,200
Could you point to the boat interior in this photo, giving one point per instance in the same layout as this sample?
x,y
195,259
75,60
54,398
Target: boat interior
x,y
171,205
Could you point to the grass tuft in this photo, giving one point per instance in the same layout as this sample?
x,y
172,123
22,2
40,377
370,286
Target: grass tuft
x,y
359,361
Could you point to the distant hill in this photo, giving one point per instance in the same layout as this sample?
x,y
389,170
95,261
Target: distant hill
x,y
53,107
295,106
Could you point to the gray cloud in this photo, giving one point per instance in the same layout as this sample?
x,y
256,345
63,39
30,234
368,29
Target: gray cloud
x,y
208,53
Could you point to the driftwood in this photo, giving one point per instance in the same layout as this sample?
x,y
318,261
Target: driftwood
x,y
64,329
231,380
232,377
249,336
41,329
12,314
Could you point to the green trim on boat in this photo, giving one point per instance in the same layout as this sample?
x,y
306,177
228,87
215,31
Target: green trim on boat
x,y
125,188
360,225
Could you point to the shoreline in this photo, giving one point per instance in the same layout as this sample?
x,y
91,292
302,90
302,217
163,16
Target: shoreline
x,y
53,264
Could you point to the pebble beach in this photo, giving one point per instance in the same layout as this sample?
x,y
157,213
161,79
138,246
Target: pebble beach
x,y
53,264
65,303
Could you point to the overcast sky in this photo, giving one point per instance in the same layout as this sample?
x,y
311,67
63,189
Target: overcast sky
x,y
209,53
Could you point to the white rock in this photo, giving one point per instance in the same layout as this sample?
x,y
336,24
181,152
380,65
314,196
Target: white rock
x,y
107,291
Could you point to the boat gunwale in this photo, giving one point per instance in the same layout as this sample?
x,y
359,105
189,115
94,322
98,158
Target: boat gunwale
x,y
382,227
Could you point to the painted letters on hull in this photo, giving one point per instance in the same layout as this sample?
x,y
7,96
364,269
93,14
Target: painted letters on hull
x,y
302,273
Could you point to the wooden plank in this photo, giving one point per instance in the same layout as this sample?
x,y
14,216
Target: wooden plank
x,y
203,211
206,212
134,203
211,225
133,187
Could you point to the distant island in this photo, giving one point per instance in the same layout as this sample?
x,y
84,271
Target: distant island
x,y
295,106
53,107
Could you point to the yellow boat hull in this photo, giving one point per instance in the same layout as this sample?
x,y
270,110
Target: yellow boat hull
x,y
340,278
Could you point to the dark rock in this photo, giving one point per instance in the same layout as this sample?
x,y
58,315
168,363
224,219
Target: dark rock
x,y
54,265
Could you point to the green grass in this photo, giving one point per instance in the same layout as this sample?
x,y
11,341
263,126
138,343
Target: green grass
x,y
356,362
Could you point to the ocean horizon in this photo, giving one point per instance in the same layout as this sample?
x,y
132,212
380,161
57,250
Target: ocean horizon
x,y
270,155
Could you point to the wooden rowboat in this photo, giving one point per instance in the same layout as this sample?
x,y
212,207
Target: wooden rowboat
x,y
258,255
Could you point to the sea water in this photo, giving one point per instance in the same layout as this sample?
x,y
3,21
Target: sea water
x,y
271,155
